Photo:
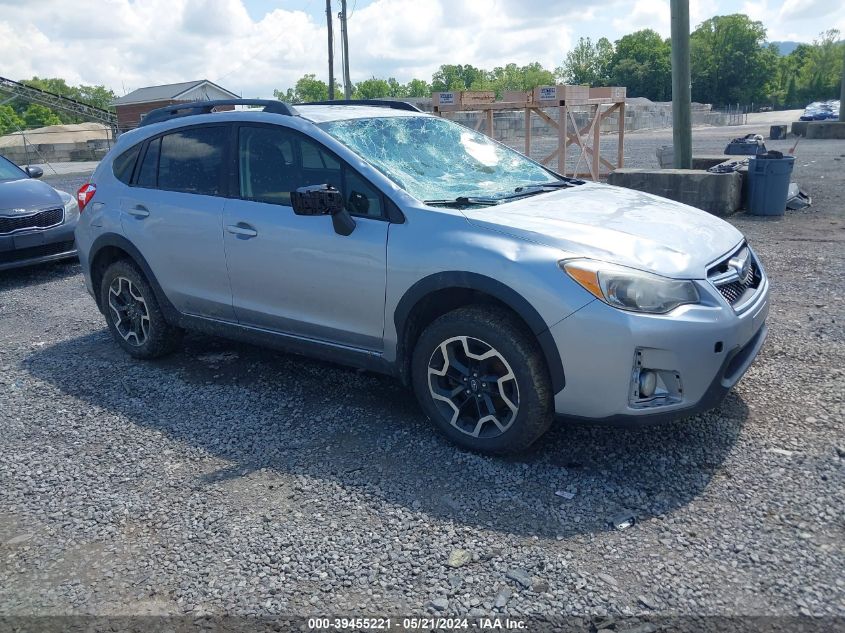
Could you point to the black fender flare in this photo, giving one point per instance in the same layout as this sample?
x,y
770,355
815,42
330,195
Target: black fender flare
x,y
118,241
496,289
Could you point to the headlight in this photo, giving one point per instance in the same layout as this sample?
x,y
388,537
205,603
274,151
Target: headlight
x,y
630,289
68,201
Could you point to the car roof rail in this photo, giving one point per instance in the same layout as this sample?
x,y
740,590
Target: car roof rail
x,y
380,103
204,107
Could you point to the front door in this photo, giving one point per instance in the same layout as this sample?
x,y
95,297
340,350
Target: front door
x,y
295,274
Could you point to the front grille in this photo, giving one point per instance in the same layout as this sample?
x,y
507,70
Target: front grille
x,y
734,284
40,220
45,250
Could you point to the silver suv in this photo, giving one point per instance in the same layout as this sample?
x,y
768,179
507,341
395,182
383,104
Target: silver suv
x,y
380,237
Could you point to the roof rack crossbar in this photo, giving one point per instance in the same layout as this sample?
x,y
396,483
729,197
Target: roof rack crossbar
x,y
381,103
204,107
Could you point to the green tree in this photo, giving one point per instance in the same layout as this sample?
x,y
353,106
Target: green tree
x,y
821,69
458,77
97,96
587,63
642,62
372,89
9,120
37,115
729,60
307,88
513,77
418,88
395,89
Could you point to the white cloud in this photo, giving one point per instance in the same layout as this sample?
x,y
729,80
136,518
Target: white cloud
x,y
645,14
410,38
126,44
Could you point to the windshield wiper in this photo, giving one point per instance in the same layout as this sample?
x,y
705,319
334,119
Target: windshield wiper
x,y
464,201
519,192
545,186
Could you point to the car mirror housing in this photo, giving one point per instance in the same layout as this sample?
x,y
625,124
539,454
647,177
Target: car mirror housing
x,y
34,172
317,200
323,200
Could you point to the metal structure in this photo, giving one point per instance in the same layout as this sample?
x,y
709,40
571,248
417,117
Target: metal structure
x,y
204,107
347,82
585,138
331,48
58,102
681,88
842,90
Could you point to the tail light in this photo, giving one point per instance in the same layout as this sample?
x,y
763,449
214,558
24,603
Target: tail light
x,y
85,193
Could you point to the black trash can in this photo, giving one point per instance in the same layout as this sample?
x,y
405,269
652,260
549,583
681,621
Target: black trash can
x,y
777,132
768,183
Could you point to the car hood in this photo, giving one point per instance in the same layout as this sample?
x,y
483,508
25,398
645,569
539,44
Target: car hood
x,y
617,225
27,194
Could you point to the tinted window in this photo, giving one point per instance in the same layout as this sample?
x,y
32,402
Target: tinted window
x,y
10,171
361,197
148,174
275,161
192,160
124,164
314,158
266,164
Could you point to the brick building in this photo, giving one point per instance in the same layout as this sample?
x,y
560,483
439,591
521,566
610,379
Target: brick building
x,y
132,107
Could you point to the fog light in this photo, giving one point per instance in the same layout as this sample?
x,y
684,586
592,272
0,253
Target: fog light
x,y
647,383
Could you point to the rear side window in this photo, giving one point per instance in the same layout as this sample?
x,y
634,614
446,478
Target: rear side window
x,y
148,173
191,160
124,165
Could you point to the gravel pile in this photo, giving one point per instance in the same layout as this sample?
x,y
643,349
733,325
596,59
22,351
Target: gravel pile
x,y
231,479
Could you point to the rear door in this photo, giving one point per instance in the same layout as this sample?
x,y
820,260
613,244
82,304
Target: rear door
x,y
173,213
295,274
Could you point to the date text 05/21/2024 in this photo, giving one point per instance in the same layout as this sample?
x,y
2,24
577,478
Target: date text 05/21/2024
x,y
415,624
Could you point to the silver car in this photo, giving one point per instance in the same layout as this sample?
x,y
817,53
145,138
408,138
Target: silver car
x,y
36,221
387,239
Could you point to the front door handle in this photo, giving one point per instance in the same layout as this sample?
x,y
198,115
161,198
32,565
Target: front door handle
x,y
139,211
242,229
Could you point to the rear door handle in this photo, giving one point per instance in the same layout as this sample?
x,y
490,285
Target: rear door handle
x,y
242,229
139,211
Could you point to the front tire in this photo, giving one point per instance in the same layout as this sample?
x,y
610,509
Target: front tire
x,y
479,375
132,312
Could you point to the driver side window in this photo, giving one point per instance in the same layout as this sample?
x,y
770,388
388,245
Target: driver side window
x,y
273,161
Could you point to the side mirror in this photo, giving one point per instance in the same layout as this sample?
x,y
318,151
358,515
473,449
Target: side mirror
x,y
323,200
34,172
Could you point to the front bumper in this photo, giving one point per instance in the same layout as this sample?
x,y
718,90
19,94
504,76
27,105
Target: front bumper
x,y
38,246
708,345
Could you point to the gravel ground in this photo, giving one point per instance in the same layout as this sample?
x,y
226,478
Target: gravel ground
x,y
227,479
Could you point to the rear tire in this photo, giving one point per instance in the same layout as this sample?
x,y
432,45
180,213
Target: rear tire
x,y
480,376
133,314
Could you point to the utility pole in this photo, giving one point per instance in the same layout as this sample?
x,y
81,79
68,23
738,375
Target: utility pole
x,y
347,83
681,90
842,92
331,49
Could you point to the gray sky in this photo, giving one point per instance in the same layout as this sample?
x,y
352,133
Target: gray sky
x,y
254,46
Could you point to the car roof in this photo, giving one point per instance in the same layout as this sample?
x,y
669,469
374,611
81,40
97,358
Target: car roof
x,y
312,113
324,113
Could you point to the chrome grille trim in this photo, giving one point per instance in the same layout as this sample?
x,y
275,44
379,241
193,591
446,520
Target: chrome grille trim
x,y
735,275
45,219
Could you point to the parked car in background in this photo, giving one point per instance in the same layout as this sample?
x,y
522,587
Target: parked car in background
x,y
36,221
821,111
381,237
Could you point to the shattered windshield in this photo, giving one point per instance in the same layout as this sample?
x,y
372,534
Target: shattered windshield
x,y
435,159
